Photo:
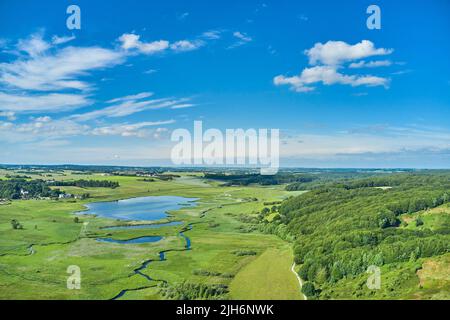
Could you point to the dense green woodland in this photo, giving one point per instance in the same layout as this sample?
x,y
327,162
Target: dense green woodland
x,y
247,179
298,179
340,229
193,291
20,188
26,189
86,184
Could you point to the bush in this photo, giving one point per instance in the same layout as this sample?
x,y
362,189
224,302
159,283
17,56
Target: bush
x,y
309,290
419,222
16,225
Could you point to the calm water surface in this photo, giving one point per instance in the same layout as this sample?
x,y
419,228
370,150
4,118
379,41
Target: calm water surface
x,y
143,208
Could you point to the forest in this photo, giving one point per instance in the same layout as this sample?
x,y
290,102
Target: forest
x,y
86,184
243,179
340,229
21,188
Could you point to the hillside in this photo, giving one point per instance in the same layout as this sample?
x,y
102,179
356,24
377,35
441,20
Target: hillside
x,y
399,223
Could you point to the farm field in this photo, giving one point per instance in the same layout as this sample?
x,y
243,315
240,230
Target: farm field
x,y
267,269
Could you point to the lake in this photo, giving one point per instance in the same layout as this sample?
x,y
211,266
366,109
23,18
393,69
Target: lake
x,y
143,208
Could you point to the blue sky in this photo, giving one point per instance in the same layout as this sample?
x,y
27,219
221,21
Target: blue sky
x,y
111,93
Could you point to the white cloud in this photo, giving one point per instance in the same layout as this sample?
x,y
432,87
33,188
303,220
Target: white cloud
x,y
327,60
186,45
53,102
337,52
34,45
212,34
60,40
370,64
242,39
327,75
397,73
42,128
129,105
57,71
150,71
373,139
183,16
154,47
45,128
138,96
53,70
182,106
129,130
11,116
131,41
242,36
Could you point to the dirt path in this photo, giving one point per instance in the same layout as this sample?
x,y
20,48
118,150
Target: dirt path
x,y
300,281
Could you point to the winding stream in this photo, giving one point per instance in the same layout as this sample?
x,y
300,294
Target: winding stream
x,y
162,257
143,209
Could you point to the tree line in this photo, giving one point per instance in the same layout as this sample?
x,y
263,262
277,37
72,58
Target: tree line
x,y
85,184
20,188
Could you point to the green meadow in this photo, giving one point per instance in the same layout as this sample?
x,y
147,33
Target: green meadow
x,y
34,260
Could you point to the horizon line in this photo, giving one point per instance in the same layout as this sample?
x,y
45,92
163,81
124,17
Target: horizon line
x,y
217,167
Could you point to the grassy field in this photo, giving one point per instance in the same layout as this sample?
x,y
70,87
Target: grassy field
x,y
34,261
267,269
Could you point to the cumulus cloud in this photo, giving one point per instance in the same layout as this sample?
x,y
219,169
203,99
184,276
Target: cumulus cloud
x,y
131,41
327,59
328,75
337,52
